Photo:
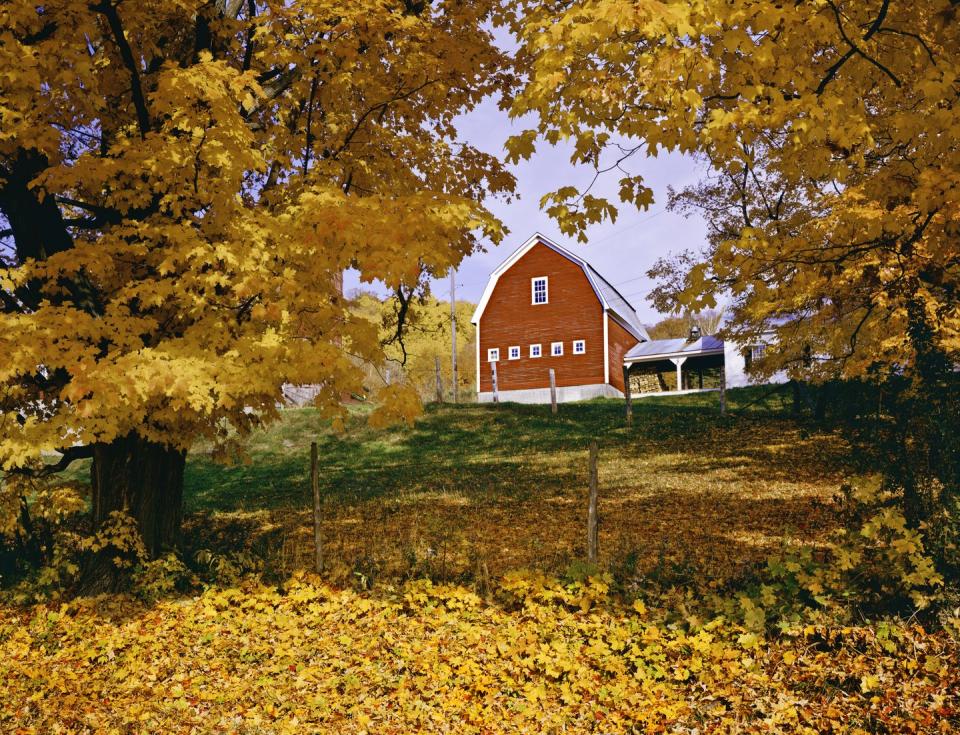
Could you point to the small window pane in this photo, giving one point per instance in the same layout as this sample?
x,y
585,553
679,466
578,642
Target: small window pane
x,y
579,347
493,354
556,349
534,350
514,353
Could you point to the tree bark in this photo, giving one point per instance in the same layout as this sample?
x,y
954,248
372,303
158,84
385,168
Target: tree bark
x,y
144,479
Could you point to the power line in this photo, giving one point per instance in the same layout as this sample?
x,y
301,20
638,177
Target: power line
x,y
607,237
628,227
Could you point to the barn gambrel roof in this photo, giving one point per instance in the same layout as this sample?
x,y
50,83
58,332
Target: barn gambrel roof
x,y
610,299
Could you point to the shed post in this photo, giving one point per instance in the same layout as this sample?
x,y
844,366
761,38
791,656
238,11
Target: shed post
x,y
626,394
493,373
553,391
592,519
678,361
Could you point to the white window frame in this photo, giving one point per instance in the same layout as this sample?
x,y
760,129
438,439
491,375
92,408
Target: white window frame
x,y
510,351
533,290
539,349
582,344
758,351
493,354
553,349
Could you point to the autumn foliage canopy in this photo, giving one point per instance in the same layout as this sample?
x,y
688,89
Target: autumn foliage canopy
x,y
182,185
830,128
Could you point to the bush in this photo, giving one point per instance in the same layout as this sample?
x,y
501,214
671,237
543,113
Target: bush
x,y
878,565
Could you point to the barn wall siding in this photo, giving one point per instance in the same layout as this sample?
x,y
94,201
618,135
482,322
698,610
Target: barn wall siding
x,y
573,312
620,343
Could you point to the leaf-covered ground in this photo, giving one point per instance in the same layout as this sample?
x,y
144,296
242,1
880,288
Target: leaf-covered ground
x,y
550,660
684,493
689,500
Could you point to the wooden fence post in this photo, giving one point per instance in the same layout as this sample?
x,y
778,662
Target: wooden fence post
x,y
626,394
553,391
453,333
723,390
436,365
592,520
315,486
493,371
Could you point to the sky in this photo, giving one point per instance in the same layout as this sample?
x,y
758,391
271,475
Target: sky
x,y
622,252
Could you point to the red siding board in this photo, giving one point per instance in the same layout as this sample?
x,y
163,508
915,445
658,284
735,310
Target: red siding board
x,y
510,319
620,343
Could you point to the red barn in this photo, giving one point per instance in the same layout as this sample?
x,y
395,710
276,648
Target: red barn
x,y
545,308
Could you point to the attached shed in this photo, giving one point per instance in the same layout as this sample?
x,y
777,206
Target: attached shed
x,y
675,365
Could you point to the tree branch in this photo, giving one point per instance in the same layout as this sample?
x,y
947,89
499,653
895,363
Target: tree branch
x,y
375,108
401,321
43,34
248,43
68,457
126,54
853,49
875,26
309,128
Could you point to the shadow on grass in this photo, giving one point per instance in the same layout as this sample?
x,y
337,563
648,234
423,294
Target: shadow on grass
x,y
504,486
504,451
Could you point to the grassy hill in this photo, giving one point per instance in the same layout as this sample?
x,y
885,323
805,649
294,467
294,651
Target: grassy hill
x,y
672,634
476,489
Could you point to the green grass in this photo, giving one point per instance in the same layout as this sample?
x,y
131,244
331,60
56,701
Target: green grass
x,y
476,448
505,486
684,491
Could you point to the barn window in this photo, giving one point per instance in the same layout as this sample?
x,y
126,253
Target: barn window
x,y
493,354
556,349
579,346
515,353
535,351
539,290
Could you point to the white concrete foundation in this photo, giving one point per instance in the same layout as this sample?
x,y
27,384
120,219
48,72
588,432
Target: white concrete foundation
x,y
565,394
684,392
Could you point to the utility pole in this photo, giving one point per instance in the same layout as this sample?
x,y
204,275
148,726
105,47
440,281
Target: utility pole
x,y
453,330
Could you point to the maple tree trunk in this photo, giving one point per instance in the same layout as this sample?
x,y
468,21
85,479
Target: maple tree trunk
x,y
144,479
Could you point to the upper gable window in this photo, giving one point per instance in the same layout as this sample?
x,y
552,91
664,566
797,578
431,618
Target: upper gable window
x,y
579,347
556,349
493,354
538,288
515,352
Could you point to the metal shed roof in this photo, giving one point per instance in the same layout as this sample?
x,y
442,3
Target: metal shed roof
x,y
659,349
